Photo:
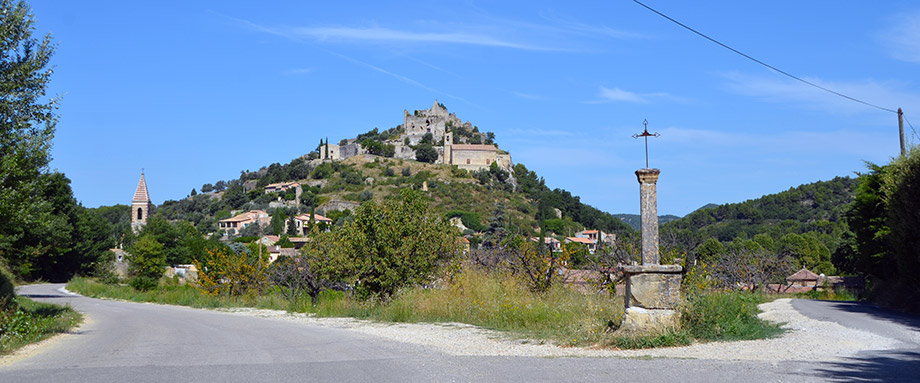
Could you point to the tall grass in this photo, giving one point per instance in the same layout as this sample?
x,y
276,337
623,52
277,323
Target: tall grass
x,y
491,300
498,301
26,321
729,315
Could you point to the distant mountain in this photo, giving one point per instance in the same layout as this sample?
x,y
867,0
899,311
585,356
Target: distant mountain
x,y
815,207
635,220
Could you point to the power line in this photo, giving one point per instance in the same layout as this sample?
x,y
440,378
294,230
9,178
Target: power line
x,y
765,64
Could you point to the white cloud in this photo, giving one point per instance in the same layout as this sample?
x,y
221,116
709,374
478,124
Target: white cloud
x,y
619,95
888,94
378,34
903,39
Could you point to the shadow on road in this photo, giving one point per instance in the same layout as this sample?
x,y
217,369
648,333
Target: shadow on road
x,y
883,366
879,313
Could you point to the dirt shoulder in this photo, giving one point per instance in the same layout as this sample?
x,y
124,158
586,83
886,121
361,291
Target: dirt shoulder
x,y
806,339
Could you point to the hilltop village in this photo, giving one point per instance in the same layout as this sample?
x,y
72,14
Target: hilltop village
x,y
461,168
454,142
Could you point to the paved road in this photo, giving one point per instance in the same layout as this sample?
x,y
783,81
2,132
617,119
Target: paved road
x,y
132,342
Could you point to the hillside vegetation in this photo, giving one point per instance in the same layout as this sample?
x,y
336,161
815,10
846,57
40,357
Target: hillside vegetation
x,y
805,222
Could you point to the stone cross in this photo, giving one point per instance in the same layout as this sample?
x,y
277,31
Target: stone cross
x,y
648,205
646,134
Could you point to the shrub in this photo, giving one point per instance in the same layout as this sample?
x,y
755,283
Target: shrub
x,y
407,171
388,172
7,289
725,316
142,283
366,195
147,259
389,245
223,272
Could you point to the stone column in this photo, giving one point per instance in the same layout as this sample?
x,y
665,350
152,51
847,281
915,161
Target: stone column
x,y
648,203
652,289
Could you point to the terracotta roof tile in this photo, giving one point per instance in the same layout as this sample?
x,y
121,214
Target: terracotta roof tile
x,y
141,194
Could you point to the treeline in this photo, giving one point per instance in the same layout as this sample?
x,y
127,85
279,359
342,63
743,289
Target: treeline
x,y
885,221
44,232
805,222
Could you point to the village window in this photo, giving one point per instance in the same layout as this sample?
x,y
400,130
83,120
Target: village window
x,y
140,214
467,161
487,161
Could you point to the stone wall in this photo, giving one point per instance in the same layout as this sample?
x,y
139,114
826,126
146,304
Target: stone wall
x,y
473,160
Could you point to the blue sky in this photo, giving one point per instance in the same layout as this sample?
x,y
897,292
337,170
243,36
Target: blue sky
x,y
195,92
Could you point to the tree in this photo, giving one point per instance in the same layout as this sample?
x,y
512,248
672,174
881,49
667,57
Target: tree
x,y
426,153
193,193
277,222
297,275
389,245
225,272
147,262
27,124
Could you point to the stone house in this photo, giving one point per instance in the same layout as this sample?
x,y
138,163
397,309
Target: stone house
x,y
597,236
280,186
591,245
232,226
302,221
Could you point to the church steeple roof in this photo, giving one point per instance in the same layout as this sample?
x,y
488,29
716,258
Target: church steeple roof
x,y
141,194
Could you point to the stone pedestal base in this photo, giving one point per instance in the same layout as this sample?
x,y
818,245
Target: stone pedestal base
x,y
644,321
652,295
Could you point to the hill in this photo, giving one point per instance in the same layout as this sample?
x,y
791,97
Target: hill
x,y
814,210
635,220
461,170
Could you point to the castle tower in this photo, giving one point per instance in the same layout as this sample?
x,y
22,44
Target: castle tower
x,y
140,205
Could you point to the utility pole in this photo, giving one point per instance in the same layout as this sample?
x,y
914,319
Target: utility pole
x,y
901,131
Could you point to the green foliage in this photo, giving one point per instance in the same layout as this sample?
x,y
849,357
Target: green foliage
x,y
378,148
322,171
886,224
406,171
571,206
470,220
725,316
24,321
809,252
225,272
7,287
277,223
389,245
817,207
424,152
147,260
27,124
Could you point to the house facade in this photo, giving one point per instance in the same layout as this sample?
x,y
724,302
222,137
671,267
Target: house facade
x,y
590,244
232,226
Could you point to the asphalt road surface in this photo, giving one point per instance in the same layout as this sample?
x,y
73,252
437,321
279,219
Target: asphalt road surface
x,y
133,342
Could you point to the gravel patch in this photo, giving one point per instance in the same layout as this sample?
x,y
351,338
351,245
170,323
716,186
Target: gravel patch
x,y
806,339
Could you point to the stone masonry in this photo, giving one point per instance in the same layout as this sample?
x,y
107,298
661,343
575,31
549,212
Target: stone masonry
x,y
652,289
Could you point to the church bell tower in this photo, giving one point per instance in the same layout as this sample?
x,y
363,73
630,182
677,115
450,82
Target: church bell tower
x,y
140,205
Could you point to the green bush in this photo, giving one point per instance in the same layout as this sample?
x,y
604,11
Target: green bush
x,y
7,288
142,283
725,316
